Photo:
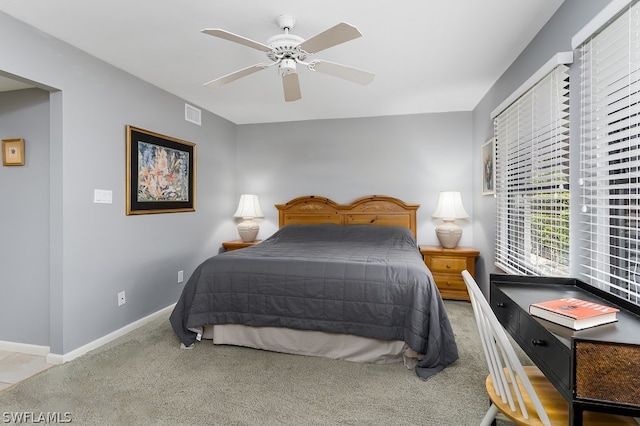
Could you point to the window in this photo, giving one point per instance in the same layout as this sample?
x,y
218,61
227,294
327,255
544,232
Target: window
x,y
610,156
532,175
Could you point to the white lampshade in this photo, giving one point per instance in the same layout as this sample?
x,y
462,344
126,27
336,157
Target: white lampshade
x,y
248,208
450,206
449,209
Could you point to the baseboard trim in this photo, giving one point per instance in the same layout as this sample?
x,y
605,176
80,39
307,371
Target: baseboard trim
x,y
24,348
61,359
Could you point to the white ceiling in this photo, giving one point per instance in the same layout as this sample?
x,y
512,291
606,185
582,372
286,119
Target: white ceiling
x,y
428,55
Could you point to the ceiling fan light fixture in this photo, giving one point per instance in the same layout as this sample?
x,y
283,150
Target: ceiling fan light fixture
x,y
287,66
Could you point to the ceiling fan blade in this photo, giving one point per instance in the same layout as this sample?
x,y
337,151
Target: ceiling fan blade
x,y
216,32
342,71
234,76
291,86
337,34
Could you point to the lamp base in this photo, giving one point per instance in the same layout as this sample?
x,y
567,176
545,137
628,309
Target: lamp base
x,y
248,230
448,234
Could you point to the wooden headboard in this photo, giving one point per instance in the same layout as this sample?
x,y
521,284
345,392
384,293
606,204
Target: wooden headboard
x,y
372,210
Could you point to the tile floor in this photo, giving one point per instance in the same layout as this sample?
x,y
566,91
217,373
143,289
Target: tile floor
x,y
16,367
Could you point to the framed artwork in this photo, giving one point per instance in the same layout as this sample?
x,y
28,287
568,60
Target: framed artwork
x,y
161,173
488,167
13,152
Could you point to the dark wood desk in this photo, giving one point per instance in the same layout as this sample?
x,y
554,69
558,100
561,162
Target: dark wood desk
x,y
596,369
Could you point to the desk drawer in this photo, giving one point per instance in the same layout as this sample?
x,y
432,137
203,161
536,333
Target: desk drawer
x,y
545,350
447,264
506,311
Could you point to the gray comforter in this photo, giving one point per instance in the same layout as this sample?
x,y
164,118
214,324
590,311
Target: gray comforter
x,y
364,280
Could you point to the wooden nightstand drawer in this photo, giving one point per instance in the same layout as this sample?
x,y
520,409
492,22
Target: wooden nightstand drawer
x,y
448,264
451,282
450,286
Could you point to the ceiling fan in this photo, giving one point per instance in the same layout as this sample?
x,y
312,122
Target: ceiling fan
x,y
287,51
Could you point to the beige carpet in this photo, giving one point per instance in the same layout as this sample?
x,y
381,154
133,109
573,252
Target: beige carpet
x,y
144,378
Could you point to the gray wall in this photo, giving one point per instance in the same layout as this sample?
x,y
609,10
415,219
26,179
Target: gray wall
x,y
95,250
410,157
554,37
24,219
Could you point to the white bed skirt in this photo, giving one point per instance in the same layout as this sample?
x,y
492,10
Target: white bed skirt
x,y
312,343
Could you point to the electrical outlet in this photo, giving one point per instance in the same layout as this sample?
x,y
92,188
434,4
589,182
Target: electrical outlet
x,y
121,299
180,276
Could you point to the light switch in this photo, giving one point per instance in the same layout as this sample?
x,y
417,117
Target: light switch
x,y
102,196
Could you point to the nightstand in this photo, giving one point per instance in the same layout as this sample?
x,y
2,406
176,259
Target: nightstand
x,y
447,265
238,244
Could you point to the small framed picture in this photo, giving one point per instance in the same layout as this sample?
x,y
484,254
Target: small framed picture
x,y
13,152
488,167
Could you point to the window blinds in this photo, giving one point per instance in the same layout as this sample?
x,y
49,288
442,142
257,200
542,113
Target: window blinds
x,y
532,179
610,156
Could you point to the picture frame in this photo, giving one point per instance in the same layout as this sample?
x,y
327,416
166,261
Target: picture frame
x,y
489,167
161,173
13,152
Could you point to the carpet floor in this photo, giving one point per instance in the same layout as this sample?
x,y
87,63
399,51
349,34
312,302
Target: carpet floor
x,y
144,378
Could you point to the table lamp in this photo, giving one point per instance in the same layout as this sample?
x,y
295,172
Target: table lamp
x,y
449,209
248,208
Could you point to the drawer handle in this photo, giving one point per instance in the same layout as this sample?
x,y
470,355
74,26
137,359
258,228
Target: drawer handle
x,y
448,266
538,342
500,305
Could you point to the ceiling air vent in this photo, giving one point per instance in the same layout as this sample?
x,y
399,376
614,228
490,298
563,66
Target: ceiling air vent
x,y
192,114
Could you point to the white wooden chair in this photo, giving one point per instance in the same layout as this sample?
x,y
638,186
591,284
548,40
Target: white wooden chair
x,y
534,400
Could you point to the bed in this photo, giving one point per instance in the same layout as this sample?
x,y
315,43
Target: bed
x,y
340,281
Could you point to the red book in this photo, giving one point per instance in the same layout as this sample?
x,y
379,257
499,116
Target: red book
x,y
574,313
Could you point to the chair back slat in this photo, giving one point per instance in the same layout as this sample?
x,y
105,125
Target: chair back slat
x,y
505,368
494,368
499,362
